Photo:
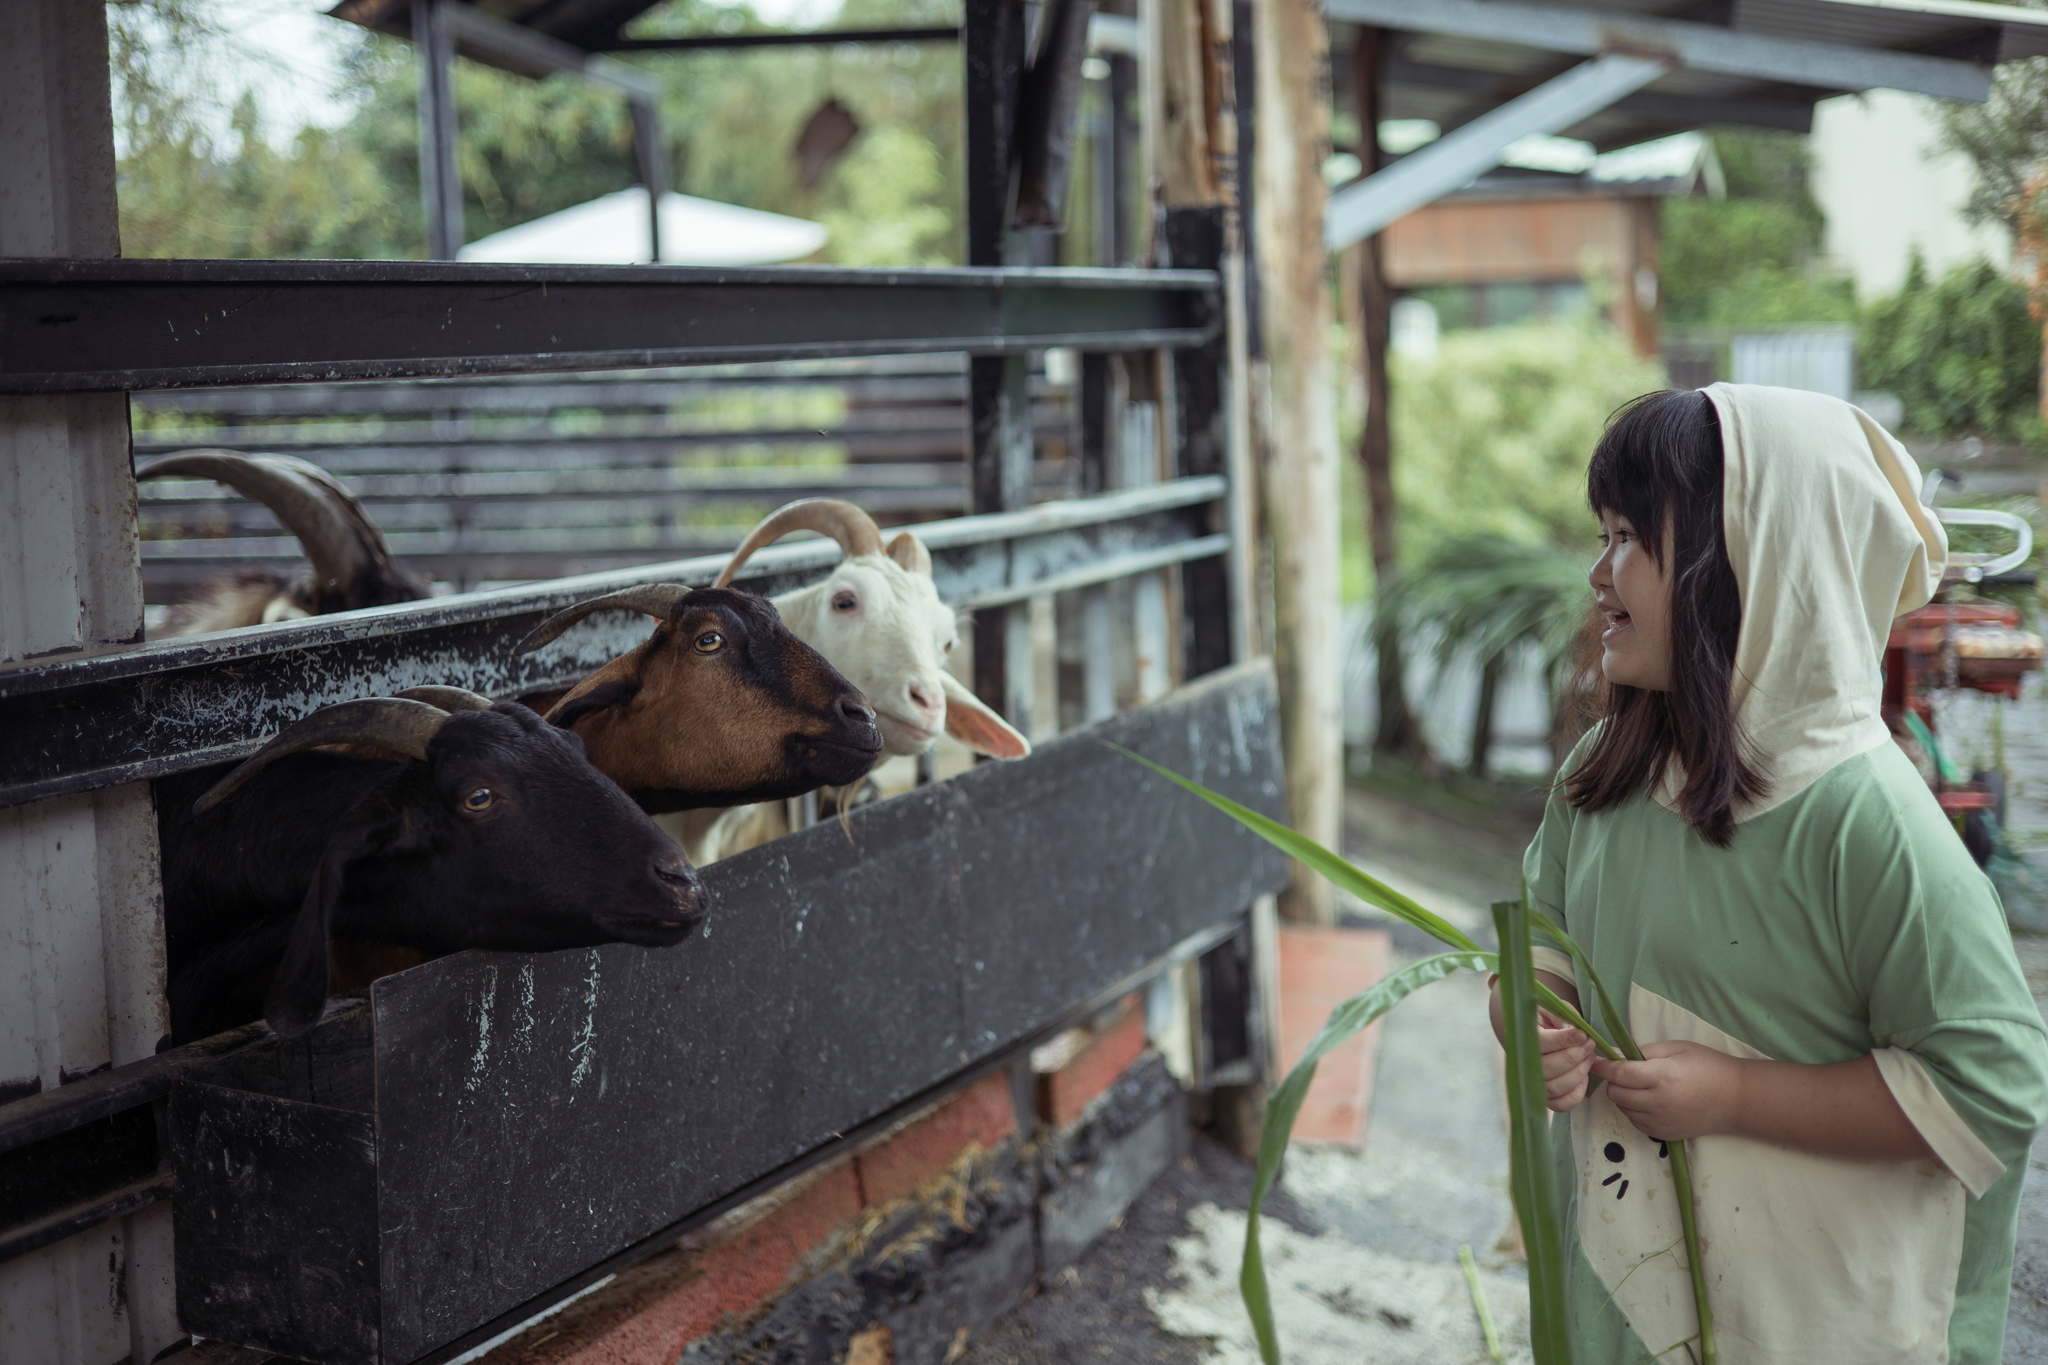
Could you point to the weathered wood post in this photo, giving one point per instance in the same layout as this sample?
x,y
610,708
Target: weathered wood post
x,y
1398,732
998,393
1295,409
81,916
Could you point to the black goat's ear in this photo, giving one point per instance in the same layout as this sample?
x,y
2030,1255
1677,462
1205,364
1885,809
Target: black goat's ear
x,y
298,992
615,693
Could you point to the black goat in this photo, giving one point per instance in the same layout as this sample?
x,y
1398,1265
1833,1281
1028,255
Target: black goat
x,y
495,832
348,564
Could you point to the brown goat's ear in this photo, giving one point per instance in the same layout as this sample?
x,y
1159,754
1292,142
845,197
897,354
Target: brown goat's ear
x,y
617,692
298,992
971,721
907,550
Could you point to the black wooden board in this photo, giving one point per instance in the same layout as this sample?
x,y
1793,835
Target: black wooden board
x,y
535,1114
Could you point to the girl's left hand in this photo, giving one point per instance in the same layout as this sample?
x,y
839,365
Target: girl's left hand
x,y
1679,1090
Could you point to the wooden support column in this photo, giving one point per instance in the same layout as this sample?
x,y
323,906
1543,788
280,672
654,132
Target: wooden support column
x,y
998,392
81,936
1399,734
1295,397
433,37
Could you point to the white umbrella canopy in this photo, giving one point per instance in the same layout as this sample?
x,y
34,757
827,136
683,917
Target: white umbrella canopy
x,y
612,230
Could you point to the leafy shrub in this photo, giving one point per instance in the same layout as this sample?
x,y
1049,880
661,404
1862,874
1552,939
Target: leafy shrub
x,y
1492,436
1962,355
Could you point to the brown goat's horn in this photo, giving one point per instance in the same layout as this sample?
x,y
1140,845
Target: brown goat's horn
x,y
387,722
339,539
447,698
854,529
656,599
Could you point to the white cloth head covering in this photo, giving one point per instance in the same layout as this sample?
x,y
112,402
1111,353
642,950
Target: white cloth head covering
x,y
1829,542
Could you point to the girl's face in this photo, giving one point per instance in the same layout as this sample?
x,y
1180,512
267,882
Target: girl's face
x,y
1633,593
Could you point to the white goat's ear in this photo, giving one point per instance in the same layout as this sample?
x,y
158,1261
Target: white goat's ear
x,y
907,550
969,720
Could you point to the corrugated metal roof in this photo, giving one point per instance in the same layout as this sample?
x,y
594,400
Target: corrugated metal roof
x,y
1451,79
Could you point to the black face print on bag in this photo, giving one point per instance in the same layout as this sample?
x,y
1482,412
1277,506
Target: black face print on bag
x,y
1617,1153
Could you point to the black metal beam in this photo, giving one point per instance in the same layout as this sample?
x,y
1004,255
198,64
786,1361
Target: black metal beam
x,y
67,326
75,724
948,34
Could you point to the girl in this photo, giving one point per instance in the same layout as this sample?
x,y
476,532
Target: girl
x,y
1822,980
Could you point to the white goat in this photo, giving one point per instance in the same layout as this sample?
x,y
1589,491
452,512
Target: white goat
x,y
877,618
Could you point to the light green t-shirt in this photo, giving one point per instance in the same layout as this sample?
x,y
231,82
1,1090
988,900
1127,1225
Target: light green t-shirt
x,y
1847,921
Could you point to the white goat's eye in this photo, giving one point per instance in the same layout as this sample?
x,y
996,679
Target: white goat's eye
x,y
950,644
844,601
483,798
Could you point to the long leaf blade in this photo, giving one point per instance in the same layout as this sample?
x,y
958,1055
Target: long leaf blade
x,y
1530,1173
1303,849
1345,1022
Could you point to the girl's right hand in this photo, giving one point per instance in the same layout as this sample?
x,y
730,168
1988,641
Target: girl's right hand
x,y
1567,1061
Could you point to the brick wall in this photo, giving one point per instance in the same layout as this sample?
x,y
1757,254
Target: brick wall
x,y
904,1250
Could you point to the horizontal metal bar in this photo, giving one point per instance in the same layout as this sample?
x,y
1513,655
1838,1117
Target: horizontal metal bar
x,y
108,1093
948,34
1702,47
1145,561
23,1238
79,723
83,325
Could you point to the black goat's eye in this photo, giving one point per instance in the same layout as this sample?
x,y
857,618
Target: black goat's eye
x,y
710,642
844,601
483,798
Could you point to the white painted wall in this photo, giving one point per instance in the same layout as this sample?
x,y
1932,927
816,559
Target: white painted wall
x,y
81,918
1885,190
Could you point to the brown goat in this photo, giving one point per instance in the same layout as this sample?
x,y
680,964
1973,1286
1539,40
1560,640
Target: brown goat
x,y
721,705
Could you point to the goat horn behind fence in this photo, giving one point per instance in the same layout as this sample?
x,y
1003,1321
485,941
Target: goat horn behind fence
x,y
655,599
854,529
448,698
339,539
387,722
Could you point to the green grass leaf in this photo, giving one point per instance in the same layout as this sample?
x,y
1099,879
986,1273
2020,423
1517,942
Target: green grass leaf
x,y
1306,850
1346,1021
1530,1173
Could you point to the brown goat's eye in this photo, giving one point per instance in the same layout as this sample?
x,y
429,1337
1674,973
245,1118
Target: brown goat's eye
x,y
844,601
483,798
710,642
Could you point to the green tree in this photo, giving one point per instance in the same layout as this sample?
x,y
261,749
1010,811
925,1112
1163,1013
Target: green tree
x,y
1747,258
1494,433
1962,354
529,148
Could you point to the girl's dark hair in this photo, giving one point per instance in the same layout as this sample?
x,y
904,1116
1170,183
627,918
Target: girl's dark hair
x,y
1659,465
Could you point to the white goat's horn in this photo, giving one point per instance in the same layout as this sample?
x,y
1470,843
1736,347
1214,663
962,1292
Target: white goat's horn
x,y
854,529
907,550
340,540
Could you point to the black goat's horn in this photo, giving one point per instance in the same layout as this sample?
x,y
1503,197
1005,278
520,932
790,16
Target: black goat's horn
x,y
340,540
448,698
656,599
853,528
387,722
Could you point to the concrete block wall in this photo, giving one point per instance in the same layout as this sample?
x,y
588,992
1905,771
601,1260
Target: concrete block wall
x,y
907,1249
